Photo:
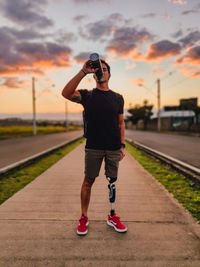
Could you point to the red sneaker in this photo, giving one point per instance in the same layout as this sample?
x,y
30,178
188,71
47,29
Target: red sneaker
x,y
82,227
114,221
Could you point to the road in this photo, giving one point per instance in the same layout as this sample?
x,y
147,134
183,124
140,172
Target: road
x,y
184,148
13,150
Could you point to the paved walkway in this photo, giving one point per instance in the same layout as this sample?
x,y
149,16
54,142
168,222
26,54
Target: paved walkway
x,y
38,224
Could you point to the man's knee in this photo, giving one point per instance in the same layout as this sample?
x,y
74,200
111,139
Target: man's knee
x,y
88,181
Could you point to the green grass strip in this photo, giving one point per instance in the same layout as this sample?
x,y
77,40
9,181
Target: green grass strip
x,y
7,132
15,180
186,191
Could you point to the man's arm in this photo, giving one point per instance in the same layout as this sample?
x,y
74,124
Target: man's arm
x,y
121,127
69,90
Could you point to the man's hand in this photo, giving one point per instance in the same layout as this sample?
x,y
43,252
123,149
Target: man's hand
x,y
87,67
123,153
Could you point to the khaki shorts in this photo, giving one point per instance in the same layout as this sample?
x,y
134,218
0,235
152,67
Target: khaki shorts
x,y
94,158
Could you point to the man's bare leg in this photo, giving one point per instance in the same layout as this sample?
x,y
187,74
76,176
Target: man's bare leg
x,y
85,194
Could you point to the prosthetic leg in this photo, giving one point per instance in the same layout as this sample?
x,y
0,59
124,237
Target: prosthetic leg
x,y
112,193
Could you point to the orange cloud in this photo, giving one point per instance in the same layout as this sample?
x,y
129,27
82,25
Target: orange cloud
x,y
192,57
82,57
46,91
138,56
126,41
163,49
26,58
130,65
190,72
14,83
179,2
49,82
139,82
157,70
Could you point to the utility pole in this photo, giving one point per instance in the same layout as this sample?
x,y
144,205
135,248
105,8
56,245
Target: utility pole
x,y
34,109
66,112
158,96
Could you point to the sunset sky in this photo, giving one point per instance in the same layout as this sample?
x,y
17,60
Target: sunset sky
x,y
142,40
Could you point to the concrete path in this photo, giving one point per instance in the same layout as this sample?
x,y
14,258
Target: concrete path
x,y
38,224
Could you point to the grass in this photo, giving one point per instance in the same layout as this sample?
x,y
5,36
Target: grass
x,y
21,131
15,180
186,191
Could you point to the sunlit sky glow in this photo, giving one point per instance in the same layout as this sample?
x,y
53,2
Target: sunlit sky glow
x,y
141,40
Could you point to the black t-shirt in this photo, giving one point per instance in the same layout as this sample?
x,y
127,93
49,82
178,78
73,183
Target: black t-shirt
x,y
102,109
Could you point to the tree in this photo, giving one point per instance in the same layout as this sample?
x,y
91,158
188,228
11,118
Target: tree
x,y
140,113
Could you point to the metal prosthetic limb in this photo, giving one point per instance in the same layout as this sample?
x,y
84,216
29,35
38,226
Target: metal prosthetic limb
x,y
112,193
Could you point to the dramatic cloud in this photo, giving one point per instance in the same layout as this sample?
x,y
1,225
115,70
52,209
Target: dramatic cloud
x,y
49,82
191,11
21,56
62,37
26,12
157,70
126,40
179,2
190,72
14,83
82,57
130,65
46,91
79,18
92,1
190,39
196,9
163,49
102,28
21,35
139,82
177,34
191,57
149,15
44,53
189,63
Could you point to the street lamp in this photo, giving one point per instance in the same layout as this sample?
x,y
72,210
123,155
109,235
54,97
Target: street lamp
x,y
66,115
34,107
158,102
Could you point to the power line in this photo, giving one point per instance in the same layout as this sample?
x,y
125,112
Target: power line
x,y
168,75
161,79
178,82
141,85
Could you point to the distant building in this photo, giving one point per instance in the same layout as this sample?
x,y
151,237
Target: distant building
x,y
174,117
188,102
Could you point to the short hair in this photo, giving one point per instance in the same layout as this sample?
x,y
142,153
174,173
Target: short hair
x,y
108,67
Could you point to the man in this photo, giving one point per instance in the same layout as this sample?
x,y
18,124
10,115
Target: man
x,y
103,111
